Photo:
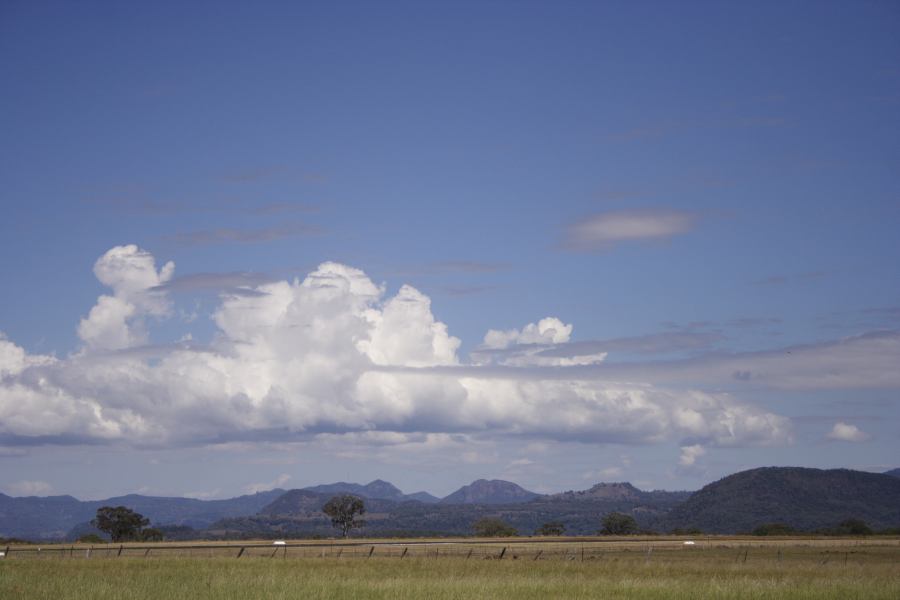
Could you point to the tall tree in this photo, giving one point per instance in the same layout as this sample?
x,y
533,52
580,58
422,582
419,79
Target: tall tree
x,y
121,523
618,524
344,511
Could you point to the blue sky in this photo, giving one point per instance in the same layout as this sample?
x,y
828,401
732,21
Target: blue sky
x,y
706,192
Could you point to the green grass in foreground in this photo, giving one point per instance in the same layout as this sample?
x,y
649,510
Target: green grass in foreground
x,y
801,573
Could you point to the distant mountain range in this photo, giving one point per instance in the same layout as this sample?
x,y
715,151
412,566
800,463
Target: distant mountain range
x,y
803,498
54,516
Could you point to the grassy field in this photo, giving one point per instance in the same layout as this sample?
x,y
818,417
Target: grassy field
x,y
833,570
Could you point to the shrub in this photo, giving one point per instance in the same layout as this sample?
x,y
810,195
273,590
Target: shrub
x,y
488,527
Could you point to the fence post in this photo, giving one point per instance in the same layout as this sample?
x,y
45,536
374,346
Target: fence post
x,y
241,552
502,552
538,555
470,553
405,550
371,551
147,553
121,547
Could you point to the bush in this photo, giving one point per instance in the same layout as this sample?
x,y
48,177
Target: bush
x,y
91,538
488,527
551,528
687,531
151,534
774,529
854,527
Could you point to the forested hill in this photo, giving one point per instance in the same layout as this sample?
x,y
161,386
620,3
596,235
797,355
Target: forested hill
x,y
805,499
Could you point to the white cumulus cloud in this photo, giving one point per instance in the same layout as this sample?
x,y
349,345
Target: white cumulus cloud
x,y
549,330
332,354
527,346
690,454
115,321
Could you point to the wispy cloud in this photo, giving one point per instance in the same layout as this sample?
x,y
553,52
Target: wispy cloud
x,y
253,174
447,267
234,282
466,290
845,432
277,208
784,279
668,127
255,488
243,236
265,173
605,230
753,322
29,488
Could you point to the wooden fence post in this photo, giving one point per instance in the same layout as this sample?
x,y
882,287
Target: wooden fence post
x,y
371,552
538,555
502,552
241,552
405,550
470,553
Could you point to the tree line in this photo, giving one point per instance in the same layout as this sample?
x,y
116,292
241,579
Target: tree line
x,y
122,524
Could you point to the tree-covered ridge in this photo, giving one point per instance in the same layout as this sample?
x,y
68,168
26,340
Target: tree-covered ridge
x,y
803,499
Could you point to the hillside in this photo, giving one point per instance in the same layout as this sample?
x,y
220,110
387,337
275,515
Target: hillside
x,y
805,499
423,497
374,489
494,491
893,472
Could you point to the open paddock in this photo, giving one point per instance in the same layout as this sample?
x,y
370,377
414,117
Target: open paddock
x,y
520,568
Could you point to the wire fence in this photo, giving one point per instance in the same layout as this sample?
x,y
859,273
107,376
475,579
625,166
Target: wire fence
x,y
737,550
